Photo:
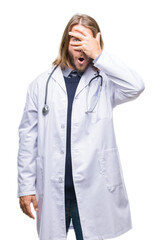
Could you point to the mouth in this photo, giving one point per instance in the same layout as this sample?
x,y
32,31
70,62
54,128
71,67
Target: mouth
x,y
81,60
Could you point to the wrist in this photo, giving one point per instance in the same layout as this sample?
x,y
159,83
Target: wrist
x,y
96,59
96,55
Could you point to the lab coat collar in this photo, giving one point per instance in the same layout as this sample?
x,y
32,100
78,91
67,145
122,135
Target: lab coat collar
x,y
86,77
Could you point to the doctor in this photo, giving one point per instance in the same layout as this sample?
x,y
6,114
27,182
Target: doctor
x,y
68,160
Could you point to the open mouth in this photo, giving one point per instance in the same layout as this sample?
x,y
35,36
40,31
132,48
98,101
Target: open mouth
x,y
81,60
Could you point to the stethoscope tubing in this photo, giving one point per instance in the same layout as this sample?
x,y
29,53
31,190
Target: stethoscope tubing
x,y
45,109
101,78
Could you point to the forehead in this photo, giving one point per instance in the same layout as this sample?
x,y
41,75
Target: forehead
x,y
81,28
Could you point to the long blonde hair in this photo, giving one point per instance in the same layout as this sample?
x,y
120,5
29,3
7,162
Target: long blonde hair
x,y
84,20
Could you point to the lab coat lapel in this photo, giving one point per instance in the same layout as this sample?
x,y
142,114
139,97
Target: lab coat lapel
x,y
84,81
59,78
86,77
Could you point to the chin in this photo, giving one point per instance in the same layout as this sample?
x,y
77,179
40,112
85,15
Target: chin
x,y
82,68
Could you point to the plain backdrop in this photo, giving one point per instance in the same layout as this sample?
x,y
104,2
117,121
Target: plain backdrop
x,y
30,36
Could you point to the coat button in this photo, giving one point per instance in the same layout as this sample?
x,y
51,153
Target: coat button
x,y
60,180
62,152
111,188
62,125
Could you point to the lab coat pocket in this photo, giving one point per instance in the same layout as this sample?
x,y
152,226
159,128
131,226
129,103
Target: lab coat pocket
x,y
39,178
100,113
110,168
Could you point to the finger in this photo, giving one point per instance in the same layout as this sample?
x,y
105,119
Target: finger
x,y
77,35
22,206
23,209
35,204
98,36
76,43
81,30
28,211
77,47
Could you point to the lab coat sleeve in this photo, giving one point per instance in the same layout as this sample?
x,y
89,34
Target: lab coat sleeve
x,y
27,152
126,84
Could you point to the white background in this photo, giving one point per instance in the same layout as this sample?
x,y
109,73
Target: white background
x,y
30,36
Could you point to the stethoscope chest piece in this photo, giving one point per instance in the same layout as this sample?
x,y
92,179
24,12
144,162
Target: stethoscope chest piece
x,y
45,110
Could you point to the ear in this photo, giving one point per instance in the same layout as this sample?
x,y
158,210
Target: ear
x,y
98,35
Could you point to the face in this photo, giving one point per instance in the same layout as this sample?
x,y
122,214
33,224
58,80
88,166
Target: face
x,y
78,60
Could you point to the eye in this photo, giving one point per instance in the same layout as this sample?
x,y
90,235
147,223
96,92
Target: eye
x,y
76,39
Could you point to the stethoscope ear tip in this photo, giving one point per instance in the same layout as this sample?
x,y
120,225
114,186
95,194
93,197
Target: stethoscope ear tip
x,y
45,110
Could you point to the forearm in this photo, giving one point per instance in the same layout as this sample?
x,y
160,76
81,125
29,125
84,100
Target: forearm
x,y
127,84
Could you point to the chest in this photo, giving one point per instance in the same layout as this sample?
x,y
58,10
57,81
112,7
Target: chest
x,y
92,103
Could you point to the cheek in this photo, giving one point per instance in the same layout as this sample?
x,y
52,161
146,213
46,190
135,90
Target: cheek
x,y
72,51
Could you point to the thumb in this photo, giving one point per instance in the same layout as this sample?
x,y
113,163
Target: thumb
x,y
35,204
98,36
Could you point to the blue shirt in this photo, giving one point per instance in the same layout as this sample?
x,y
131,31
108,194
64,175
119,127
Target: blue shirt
x,y
71,85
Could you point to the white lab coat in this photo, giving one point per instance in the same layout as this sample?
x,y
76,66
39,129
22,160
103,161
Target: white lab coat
x,y
98,179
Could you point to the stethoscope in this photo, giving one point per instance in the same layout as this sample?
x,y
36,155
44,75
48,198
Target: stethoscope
x,y
45,109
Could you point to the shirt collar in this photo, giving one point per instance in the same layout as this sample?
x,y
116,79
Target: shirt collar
x,y
66,72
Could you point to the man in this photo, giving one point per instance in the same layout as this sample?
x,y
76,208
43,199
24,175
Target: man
x,y
68,159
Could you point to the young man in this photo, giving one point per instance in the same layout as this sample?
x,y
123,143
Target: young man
x,y
68,159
